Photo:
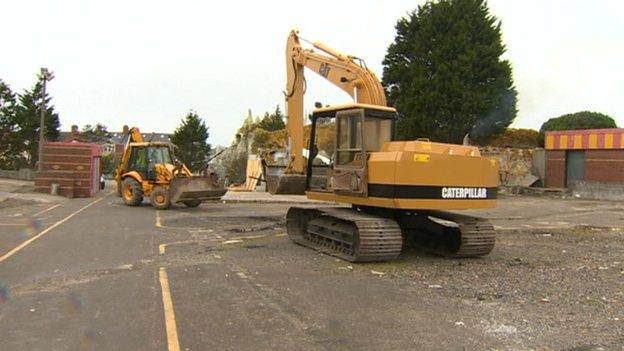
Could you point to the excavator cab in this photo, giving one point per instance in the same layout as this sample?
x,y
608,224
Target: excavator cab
x,y
358,130
341,139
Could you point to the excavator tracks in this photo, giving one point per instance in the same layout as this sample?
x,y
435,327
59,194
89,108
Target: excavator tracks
x,y
450,234
345,233
371,236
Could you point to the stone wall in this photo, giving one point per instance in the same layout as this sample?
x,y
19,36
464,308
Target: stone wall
x,y
518,167
598,190
22,174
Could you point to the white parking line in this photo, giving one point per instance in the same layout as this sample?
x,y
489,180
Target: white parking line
x,y
46,210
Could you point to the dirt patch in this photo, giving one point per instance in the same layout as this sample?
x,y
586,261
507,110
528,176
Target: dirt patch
x,y
553,286
238,224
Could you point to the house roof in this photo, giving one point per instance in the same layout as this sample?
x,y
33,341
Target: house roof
x,y
117,137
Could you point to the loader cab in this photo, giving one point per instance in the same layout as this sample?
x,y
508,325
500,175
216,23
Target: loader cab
x,y
341,140
145,156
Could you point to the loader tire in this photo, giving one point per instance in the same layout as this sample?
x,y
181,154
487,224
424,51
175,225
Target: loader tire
x,y
160,198
192,203
131,192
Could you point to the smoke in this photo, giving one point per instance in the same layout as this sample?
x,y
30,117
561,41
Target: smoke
x,y
497,120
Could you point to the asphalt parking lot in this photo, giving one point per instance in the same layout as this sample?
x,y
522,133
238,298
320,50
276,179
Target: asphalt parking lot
x,y
94,274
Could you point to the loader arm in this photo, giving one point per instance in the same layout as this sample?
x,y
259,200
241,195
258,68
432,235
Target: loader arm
x,y
133,136
346,72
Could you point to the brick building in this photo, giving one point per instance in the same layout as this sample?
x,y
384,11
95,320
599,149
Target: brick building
x,y
74,167
585,160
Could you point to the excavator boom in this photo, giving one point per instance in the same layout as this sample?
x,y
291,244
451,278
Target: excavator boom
x,y
343,71
347,72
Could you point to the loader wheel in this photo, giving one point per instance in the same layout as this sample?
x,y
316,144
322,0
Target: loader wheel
x,y
192,203
131,192
160,198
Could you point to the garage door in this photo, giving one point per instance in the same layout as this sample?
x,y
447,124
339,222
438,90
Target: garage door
x,y
575,166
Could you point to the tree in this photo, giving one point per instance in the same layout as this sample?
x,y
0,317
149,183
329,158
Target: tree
x,y
233,166
577,120
191,141
27,121
444,75
95,134
108,163
260,140
9,153
247,128
272,122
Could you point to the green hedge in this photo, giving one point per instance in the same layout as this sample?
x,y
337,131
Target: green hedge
x,y
575,121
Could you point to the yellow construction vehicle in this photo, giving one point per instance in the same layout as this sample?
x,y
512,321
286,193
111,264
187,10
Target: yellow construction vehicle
x,y
147,169
396,189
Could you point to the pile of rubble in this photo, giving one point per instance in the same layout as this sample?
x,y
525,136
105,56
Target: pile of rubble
x,y
518,167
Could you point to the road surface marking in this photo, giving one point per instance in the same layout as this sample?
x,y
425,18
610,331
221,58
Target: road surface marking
x,y
163,247
170,323
46,210
158,220
159,224
48,229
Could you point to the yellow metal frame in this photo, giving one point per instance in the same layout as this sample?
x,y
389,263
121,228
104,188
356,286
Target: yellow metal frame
x,y
344,71
164,173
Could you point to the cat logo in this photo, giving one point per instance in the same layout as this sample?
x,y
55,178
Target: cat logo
x,y
324,69
464,193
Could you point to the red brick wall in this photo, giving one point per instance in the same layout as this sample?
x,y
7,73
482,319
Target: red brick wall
x,y
555,169
600,166
604,166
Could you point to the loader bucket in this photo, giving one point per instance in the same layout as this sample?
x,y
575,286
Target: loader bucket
x,y
195,188
290,184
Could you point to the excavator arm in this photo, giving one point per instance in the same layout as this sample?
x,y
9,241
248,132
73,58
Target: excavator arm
x,y
346,72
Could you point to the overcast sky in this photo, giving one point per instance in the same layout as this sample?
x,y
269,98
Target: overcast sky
x,y
147,63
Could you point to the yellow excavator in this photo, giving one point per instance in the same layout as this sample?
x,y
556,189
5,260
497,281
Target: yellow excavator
x,y
396,189
147,169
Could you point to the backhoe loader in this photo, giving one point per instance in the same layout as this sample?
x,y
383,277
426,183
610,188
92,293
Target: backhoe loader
x,y
396,189
147,169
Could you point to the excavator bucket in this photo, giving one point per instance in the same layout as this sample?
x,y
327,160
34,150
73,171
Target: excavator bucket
x,y
279,183
195,188
287,184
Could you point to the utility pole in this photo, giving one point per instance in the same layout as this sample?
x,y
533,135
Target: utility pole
x,y
45,76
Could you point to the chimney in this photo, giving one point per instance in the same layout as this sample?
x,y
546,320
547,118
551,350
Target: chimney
x,y
74,129
126,129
